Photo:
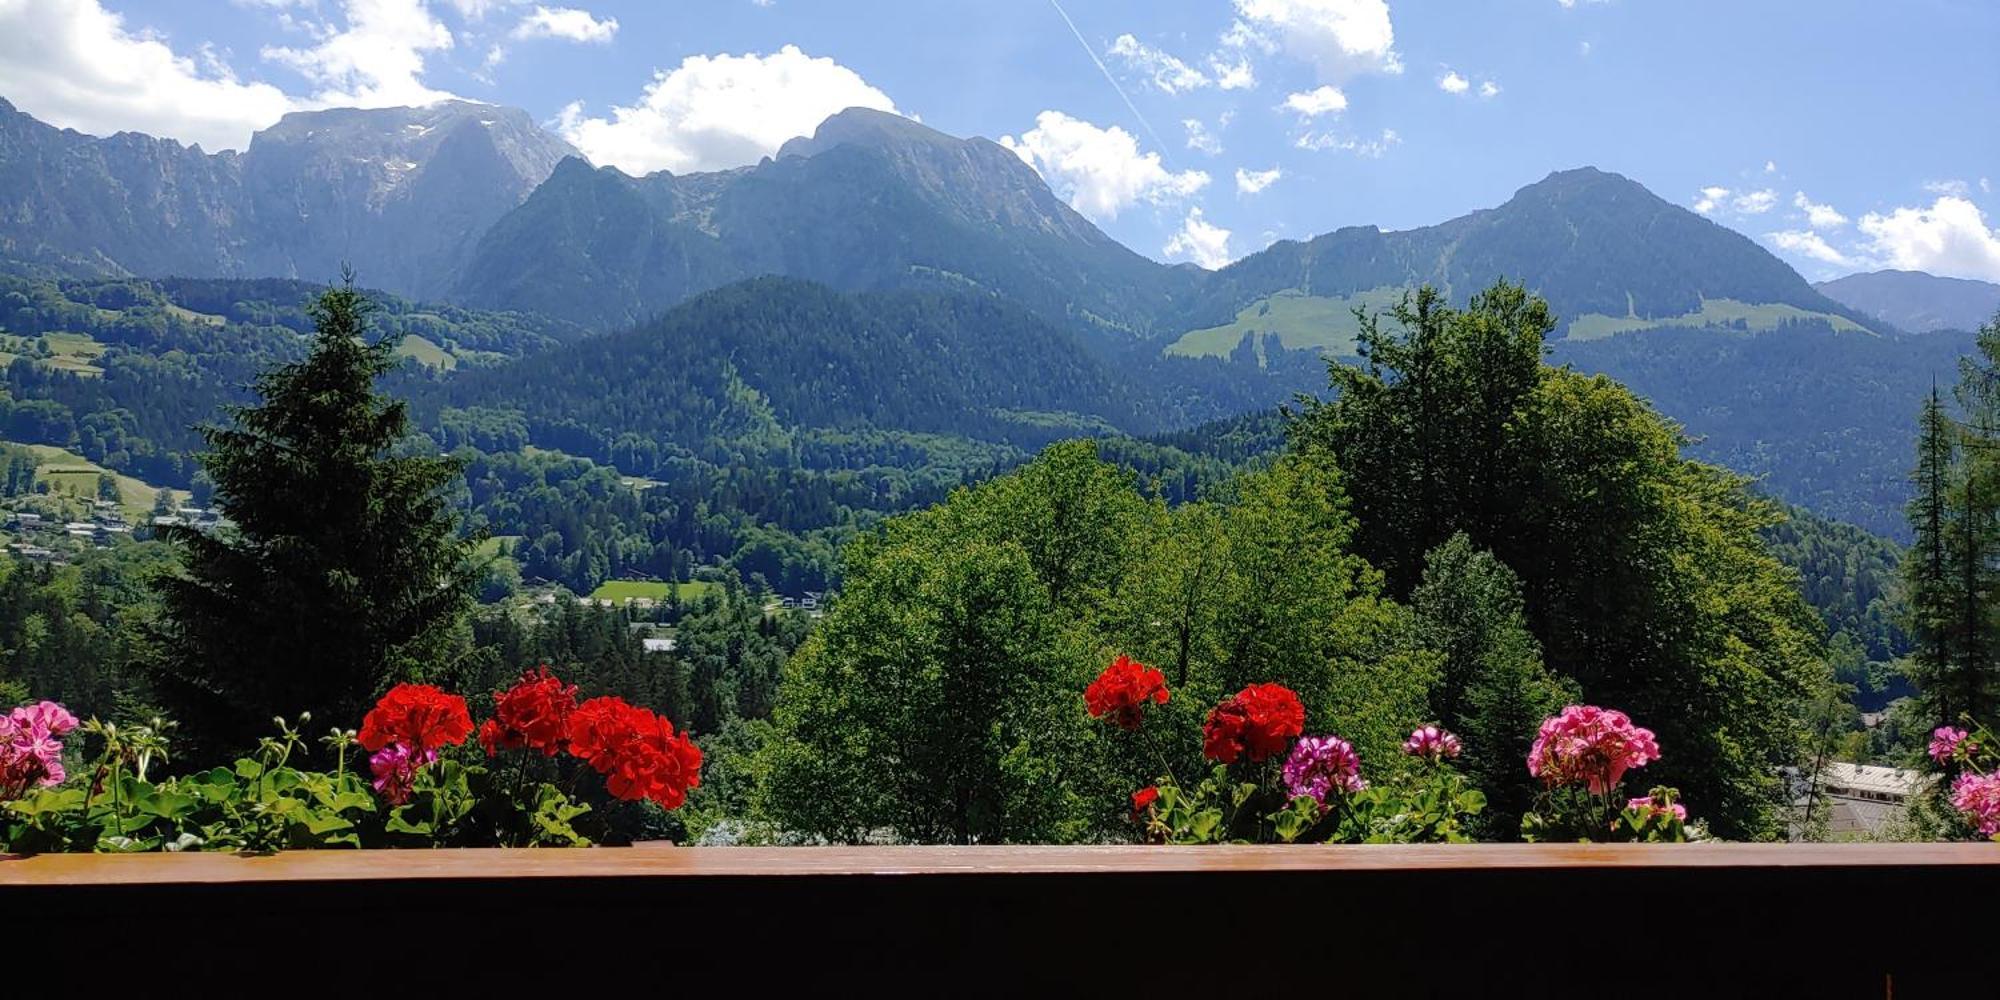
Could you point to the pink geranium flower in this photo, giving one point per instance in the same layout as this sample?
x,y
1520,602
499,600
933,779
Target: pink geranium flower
x,y
1947,741
395,767
1432,743
1319,765
1978,797
1590,746
30,750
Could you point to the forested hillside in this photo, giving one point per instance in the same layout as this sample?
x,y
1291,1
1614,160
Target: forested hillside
x,y
123,371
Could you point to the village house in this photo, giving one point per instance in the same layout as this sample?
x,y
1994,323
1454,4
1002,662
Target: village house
x,y
1861,799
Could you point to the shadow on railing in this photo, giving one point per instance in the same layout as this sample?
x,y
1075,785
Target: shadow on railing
x,y
1897,920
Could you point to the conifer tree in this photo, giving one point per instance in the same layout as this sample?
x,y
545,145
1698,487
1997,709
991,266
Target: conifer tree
x,y
1929,586
344,570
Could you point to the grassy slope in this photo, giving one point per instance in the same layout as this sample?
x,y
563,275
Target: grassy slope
x,y
74,352
1328,323
621,590
1713,312
1299,320
68,472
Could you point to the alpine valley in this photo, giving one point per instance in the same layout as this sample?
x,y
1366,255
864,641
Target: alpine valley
x,y
650,375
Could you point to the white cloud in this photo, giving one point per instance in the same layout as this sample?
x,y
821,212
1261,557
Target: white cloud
x,y
1200,241
1368,148
1710,199
1755,202
76,65
1341,38
1253,181
1489,89
1100,170
376,60
1810,244
1237,75
566,23
1950,238
716,112
1949,188
1452,83
1818,216
1770,166
1318,101
1199,138
1167,73
474,10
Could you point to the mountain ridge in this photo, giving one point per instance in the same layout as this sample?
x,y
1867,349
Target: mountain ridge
x,y
1916,300
297,203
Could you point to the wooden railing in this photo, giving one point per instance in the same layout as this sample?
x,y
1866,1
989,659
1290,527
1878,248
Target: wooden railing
x,y
1543,920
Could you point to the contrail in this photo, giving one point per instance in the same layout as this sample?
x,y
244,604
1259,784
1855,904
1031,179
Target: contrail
x,y
1112,80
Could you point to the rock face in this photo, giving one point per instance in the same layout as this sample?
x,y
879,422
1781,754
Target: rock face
x,y
400,193
870,201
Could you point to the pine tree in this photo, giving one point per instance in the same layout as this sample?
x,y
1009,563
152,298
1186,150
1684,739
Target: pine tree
x,y
344,570
1930,589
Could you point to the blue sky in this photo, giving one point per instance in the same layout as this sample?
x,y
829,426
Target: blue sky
x,y
1843,134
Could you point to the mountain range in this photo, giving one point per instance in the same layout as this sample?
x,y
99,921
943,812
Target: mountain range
x,y
1915,301
935,285
401,193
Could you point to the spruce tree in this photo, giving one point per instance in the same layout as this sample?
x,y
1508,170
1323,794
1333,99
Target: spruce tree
x,y
1929,585
344,570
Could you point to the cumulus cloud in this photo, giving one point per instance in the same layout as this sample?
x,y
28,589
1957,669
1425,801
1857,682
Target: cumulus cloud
x,y
1100,170
1199,138
1253,181
1950,238
1710,199
1810,244
1951,188
1325,100
1236,74
1165,72
74,64
376,60
1489,89
1818,216
1198,240
1755,202
1341,38
567,23
716,112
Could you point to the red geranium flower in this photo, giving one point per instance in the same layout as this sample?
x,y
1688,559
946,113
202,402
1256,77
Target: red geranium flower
x,y
534,714
419,716
1258,721
1142,798
638,752
1122,691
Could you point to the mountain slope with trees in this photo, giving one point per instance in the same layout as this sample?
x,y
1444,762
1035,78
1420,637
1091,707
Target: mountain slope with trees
x,y
1915,301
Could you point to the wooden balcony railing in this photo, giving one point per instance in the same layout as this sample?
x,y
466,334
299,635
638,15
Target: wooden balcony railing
x,y
1543,920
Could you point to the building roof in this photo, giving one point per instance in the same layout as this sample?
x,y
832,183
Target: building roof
x,y
1838,777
